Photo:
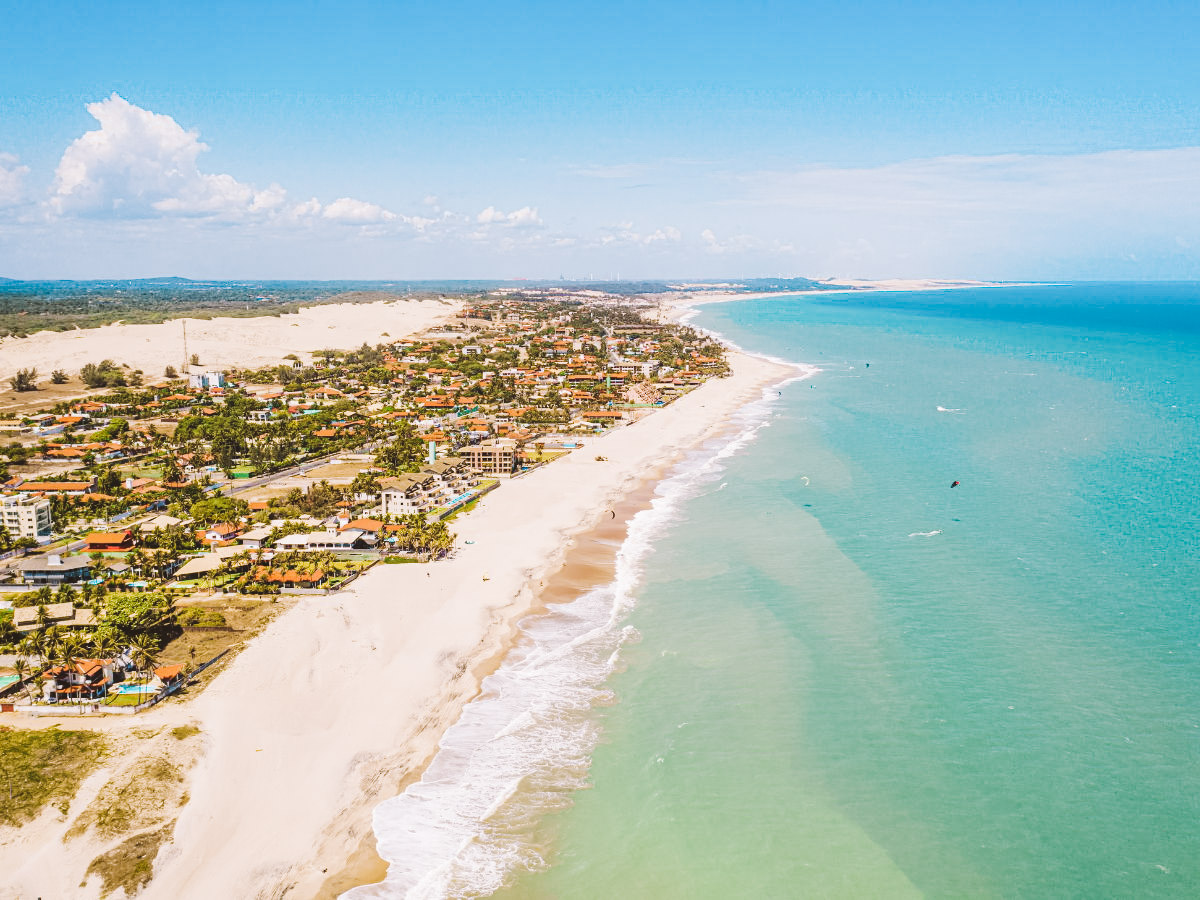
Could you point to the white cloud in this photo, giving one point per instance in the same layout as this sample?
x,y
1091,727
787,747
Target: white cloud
x,y
624,233
12,181
356,212
307,209
525,217
140,164
995,184
490,215
669,234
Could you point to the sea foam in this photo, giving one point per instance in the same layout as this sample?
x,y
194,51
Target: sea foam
x,y
523,747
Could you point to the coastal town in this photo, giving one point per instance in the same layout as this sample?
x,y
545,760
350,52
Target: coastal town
x,y
151,524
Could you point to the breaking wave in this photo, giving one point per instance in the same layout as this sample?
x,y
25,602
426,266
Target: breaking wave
x,y
523,747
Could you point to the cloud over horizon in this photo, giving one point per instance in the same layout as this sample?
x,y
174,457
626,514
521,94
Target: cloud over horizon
x,y
140,173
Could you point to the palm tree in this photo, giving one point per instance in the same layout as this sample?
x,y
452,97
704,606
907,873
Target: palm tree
x,y
31,646
144,652
70,647
104,644
21,668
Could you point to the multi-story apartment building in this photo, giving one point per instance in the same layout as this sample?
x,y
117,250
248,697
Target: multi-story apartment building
x,y
24,516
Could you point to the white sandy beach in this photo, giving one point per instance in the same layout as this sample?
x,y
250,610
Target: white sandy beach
x,y
223,343
679,303
330,709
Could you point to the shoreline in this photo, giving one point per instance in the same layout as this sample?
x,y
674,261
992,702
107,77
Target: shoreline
x,y
303,704
589,561
560,583
679,303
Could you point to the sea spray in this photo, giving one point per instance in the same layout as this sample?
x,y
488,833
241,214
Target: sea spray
x,y
522,748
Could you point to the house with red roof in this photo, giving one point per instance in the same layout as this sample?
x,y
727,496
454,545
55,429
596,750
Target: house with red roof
x,y
108,541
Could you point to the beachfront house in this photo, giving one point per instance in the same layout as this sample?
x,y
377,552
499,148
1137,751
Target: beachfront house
x,y
85,679
453,477
336,541
209,563
408,494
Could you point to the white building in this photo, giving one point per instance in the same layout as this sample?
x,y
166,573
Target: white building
x,y
350,539
409,494
205,380
26,516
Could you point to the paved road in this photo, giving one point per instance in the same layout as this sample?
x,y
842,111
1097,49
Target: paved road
x,y
245,484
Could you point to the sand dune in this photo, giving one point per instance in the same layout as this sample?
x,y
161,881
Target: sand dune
x,y
223,343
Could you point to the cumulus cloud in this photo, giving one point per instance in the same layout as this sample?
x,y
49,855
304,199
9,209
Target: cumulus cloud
x,y
307,209
12,181
141,164
625,233
525,217
356,212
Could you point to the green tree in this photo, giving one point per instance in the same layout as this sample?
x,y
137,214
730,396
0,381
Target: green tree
x,y
366,482
21,670
58,376
218,509
144,652
405,453
24,380
170,471
105,373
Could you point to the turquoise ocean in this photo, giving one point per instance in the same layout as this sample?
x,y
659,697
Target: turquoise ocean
x,y
822,671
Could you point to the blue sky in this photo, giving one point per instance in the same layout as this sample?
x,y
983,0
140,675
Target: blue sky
x,y
675,140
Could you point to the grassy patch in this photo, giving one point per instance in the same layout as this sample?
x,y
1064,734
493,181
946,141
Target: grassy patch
x,y
399,560
138,802
130,864
183,732
465,508
40,767
124,699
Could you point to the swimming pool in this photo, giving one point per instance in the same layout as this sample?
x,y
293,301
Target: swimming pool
x,y
133,689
